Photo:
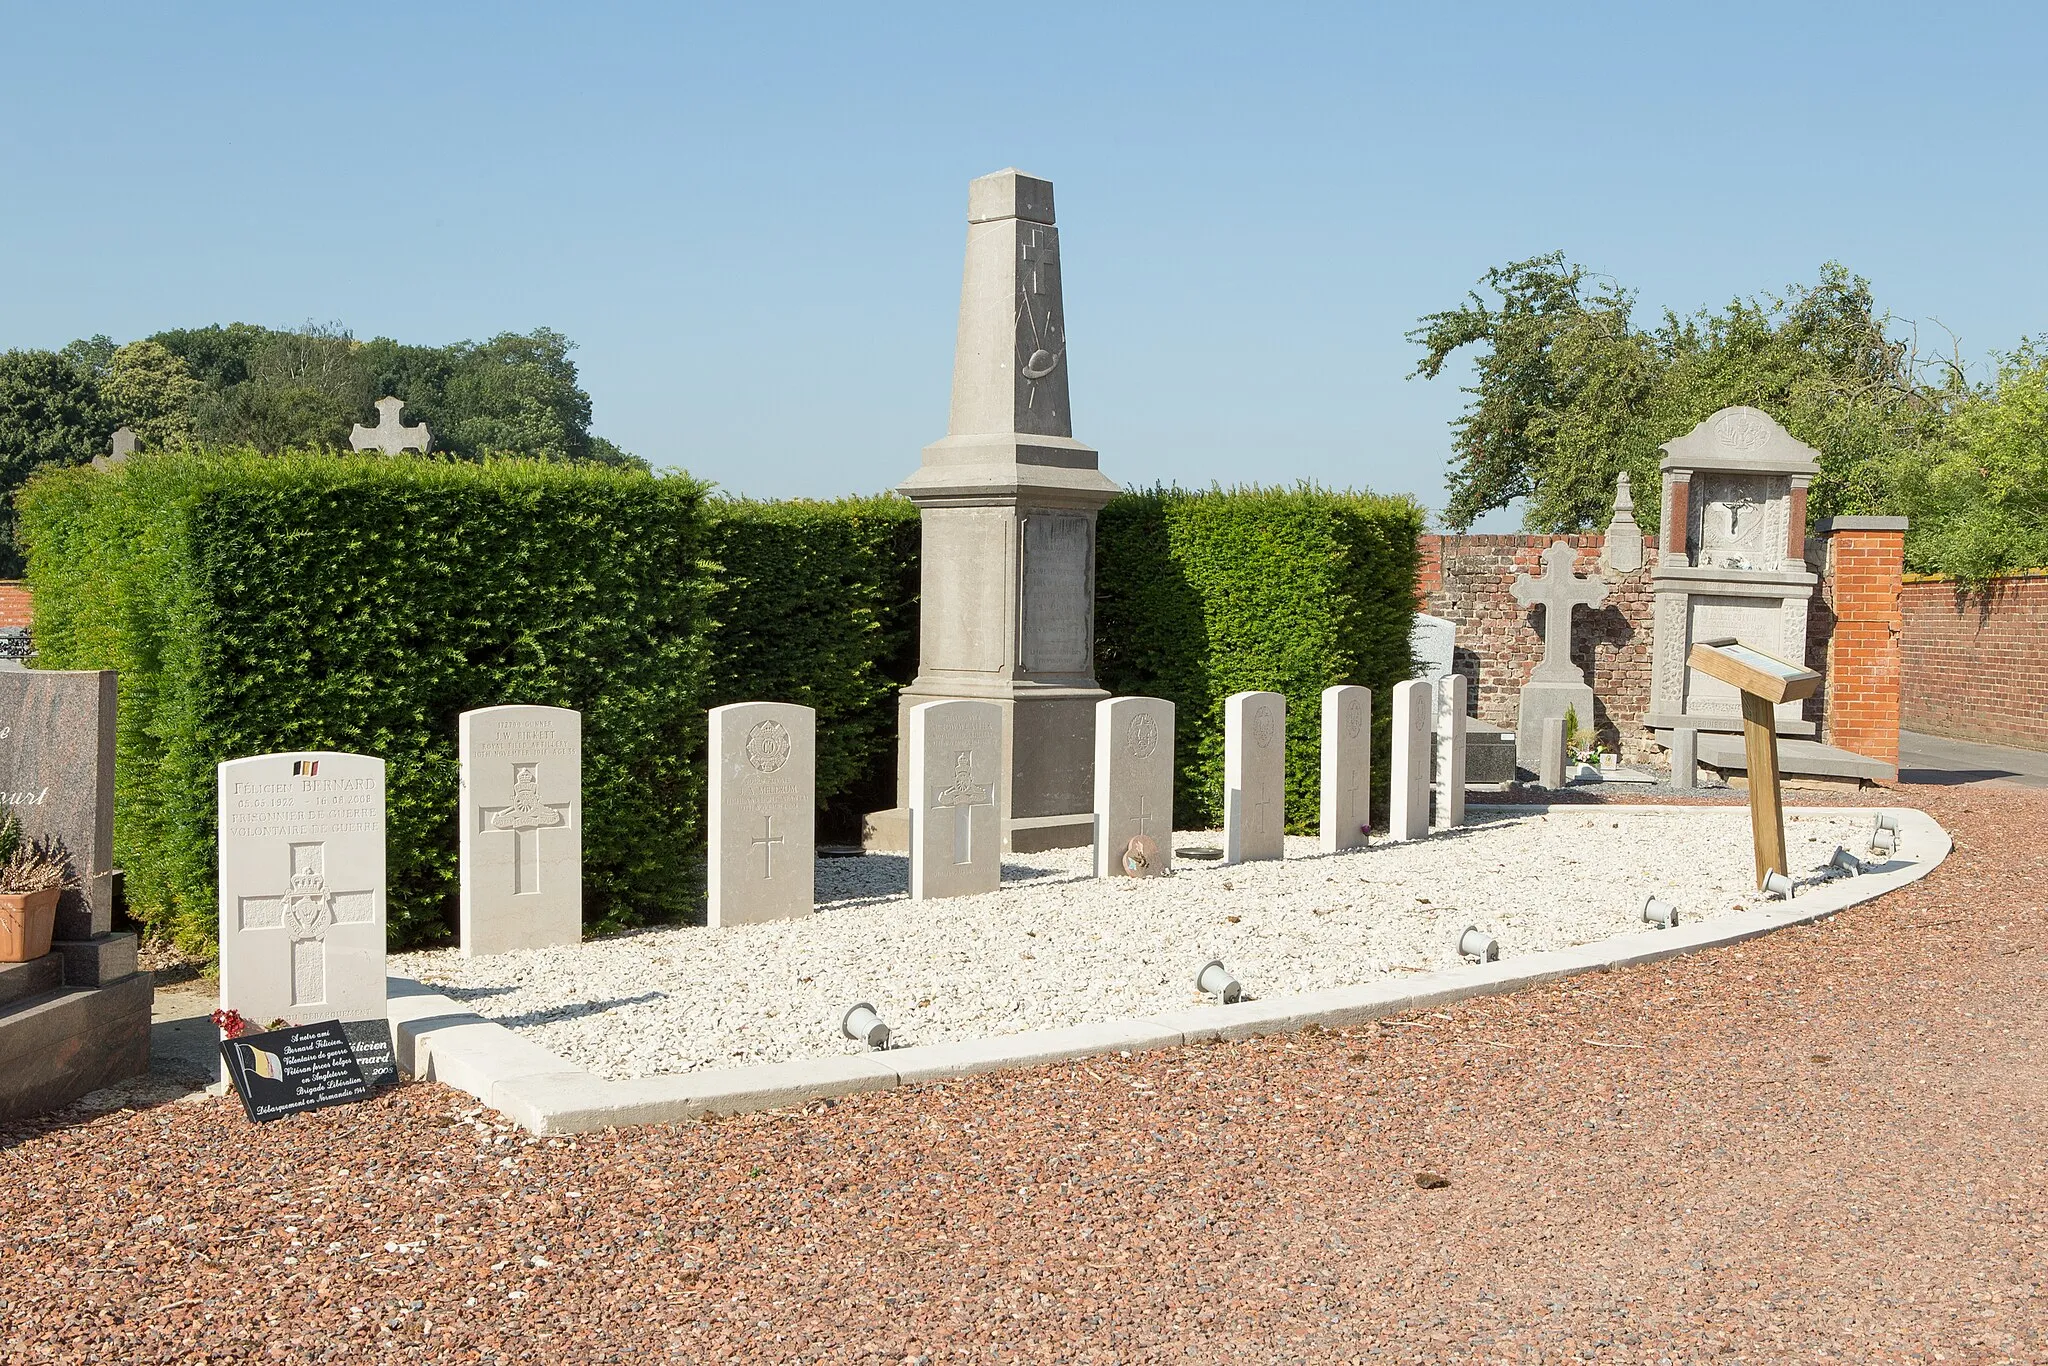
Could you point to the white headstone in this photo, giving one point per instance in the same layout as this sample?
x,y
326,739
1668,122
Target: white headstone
x,y
522,828
1434,642
1254,776
1450,750
302,888
1347,767
1133,786
1408,790
956,810
762,845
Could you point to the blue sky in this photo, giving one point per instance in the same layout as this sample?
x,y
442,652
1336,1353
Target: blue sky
x,y
751,218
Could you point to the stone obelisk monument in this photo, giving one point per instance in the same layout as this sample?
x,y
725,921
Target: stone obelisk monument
x,y
1008,502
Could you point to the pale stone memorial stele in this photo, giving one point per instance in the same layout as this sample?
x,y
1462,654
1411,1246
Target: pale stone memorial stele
x,y
762,845
1133,787
1552,753
1623,551
1556,686
1254,776
122,446
1007,503
302,888
956,811
522,828
1434,642
1449,700
1346,813
390,435
1685,758
1408,771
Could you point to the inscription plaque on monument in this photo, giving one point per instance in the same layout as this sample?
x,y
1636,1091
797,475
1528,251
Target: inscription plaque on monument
x,y
1059,627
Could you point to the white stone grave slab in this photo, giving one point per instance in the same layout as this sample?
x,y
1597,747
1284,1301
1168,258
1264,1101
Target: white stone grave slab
x,y
1434,643
762,844
1133,783
302,888
1254,776
1347,767
522,828
1450,750
1408,790
956,801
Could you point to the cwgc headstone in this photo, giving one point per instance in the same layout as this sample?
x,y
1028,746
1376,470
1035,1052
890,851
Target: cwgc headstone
x,y
1347,767
57,778
1254,777
1434,642
302,892
1685,758
1450,750
522,828
1556,685
764,801
1408,788
1551,758
390,435
956,805
1133,787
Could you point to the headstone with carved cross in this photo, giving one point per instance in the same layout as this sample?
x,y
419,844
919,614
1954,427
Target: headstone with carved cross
x,y
1133,787
390,435
762,844
956,805
1347,767
302,888
1408,774
522,828
1254,776
122,446
1556,686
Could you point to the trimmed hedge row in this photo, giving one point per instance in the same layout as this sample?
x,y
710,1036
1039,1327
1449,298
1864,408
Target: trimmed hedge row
x,y
311,601
1203,594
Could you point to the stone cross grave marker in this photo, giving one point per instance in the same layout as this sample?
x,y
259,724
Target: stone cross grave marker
x,y
122,446
1556,685
1450,750
1347,767
522,828
956,810
302,888
1254,776
1133,787
57,779
764,797
390,435
1408,790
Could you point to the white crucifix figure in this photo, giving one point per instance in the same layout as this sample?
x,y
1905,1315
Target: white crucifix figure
x,y
305,911
964,796
390,435
525,818
766,844
1557,592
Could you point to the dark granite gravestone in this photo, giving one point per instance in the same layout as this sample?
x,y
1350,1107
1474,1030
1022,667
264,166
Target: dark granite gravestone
x,y
289,1070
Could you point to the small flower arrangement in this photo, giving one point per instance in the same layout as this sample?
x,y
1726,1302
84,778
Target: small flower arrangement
x,y
230,1023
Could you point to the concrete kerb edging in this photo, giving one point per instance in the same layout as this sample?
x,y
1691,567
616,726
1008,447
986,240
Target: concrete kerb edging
x,y
438,1040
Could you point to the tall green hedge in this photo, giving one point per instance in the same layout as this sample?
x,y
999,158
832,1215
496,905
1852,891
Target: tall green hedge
x,y
1200,595
310,601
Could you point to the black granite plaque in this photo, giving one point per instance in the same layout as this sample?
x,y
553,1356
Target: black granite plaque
x,y
288,1070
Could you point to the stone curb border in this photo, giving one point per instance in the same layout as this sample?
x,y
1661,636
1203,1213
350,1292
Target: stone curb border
x,y
438,1040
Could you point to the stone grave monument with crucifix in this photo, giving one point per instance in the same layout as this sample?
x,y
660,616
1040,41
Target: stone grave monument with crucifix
x,y
1556,686
390,435
761,861
1007,502
522,828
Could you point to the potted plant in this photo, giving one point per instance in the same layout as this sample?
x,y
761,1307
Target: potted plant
x,y
33,874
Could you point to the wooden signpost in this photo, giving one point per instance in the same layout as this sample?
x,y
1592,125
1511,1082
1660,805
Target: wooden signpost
x,y
1764,682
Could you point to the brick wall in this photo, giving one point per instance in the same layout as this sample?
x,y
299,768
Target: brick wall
x,y
1861,590
14,604
1974,666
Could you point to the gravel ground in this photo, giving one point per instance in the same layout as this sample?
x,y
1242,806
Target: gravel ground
x,y
1055,946
1826,1144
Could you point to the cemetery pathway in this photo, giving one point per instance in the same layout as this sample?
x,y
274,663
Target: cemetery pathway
x,y
1824,1144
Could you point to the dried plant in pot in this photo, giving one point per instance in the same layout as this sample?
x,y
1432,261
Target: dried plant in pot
x,y
33,874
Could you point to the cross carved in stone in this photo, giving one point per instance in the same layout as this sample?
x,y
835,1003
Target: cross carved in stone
x,y
390,435
1040,271
766,844
305,911
1143,816
1557,592
963,797
525,818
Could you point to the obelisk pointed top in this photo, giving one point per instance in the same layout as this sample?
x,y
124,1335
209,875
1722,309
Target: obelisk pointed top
x,y
1009,193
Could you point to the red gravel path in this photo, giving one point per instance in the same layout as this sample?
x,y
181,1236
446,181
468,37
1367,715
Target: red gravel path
x,y
1828,1144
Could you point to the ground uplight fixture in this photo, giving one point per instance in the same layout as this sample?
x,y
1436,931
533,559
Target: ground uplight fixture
x,y
1477,945
863,1024
1778,885
1662,914
1216,980
1884,834
1845,863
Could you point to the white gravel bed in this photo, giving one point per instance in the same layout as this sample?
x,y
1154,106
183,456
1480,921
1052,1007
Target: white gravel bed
x,y
1054,946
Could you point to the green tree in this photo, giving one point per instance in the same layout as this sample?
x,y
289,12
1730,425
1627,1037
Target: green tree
x,y
1977,498
51,415
150,391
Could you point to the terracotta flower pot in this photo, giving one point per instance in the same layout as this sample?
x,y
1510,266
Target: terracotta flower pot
x,y
26,920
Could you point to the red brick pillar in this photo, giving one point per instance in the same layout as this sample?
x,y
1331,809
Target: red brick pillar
x,y
15,604
1865,560
1429,574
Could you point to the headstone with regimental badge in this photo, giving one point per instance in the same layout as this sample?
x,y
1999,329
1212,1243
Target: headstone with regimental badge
x,y
522,828
1254,776
1347,767
1133,787
762,847
956,802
